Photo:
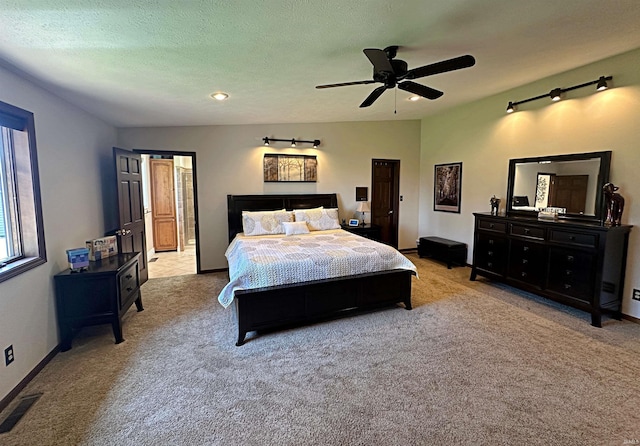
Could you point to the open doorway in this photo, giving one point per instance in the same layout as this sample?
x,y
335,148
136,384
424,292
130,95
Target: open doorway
x,y
170,209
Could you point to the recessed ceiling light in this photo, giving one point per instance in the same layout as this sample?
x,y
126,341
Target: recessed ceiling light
x,y
414,98
220,96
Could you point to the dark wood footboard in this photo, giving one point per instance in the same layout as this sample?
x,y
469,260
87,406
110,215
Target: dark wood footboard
x,y
287,305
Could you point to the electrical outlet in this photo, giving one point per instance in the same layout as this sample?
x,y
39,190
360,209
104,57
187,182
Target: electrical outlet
x,y
636,294
8,355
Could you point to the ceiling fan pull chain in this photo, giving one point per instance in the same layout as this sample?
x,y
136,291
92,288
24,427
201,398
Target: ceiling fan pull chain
x,y
395,101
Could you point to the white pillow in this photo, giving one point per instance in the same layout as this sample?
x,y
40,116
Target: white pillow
x,y
265,222
318,219
295,227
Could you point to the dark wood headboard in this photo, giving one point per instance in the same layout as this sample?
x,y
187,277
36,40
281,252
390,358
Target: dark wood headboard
x,y
238,203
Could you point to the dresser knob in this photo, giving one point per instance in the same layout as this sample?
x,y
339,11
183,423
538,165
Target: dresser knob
x,y
568,272
491,241
128,276
491,225
572,237
129,289
569,258
489,264
524,274
527,231
525,249
567,286
490,253
525,261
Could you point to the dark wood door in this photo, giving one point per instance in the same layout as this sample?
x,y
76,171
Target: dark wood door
x,y
385,198
131,233
570,192
163,205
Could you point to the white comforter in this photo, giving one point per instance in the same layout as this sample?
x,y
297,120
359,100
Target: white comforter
x,y
261,261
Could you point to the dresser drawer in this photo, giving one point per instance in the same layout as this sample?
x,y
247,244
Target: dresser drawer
x,y
527,231
491,253
572,273
488,225
527,262
574,238
129,282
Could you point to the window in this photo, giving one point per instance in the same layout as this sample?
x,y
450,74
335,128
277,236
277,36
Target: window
x,y
21,229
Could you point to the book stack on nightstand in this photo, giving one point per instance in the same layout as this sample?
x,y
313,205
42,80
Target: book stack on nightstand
x,y
368,231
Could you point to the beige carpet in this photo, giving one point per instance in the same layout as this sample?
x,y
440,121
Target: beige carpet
x,y
472,363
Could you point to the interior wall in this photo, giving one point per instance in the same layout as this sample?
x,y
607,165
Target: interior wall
x,y
229,161
76,176
484,138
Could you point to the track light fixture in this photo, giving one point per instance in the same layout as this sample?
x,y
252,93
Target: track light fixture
x,y
556,93
294,142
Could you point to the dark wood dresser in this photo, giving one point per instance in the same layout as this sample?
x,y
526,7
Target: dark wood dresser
x,y
578,264
100,295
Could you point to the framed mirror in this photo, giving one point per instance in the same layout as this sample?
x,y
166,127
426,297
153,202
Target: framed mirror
x,y
571,184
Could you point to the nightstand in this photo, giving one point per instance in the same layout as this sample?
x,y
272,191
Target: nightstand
x,y
101,294
368,231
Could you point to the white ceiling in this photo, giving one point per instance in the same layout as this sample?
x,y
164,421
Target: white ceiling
x,y
155,63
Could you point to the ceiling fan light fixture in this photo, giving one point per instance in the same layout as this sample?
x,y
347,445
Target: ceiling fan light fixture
x,y
414,98
392,73
220,96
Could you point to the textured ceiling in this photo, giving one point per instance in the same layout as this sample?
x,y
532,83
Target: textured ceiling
x,y
155,63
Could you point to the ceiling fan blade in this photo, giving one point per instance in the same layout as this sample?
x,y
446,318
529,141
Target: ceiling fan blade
x,y
379,59
442,67
346,84
375,94
420,90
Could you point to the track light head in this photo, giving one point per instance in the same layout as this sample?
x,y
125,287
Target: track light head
x,y
266,140
316,143
511,108
293,142
602,84
555,94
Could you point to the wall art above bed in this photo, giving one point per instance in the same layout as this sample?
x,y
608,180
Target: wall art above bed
x,y
291,168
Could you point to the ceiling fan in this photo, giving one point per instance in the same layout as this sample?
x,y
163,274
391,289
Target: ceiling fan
x,y
393,72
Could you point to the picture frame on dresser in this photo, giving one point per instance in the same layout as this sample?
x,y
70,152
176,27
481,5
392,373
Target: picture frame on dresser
x,y
447,187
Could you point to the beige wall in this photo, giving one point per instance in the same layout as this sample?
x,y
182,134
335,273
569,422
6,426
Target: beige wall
x,y
76,174
229,161
484,138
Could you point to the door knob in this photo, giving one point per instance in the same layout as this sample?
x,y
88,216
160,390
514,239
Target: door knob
x,y
391,212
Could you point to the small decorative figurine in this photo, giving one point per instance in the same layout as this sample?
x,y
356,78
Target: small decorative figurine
x,y
495,205
615,204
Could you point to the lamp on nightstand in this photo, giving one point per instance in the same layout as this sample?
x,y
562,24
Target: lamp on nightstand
x,y
363,207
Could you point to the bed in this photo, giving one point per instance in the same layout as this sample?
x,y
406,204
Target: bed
x,y
261,308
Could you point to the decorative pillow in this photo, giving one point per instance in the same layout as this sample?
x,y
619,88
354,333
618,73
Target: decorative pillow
x,y
295,227
318,219
265,222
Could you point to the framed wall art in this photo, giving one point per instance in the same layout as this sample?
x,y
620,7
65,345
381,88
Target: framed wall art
x,y
543,184
447,187
291,168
